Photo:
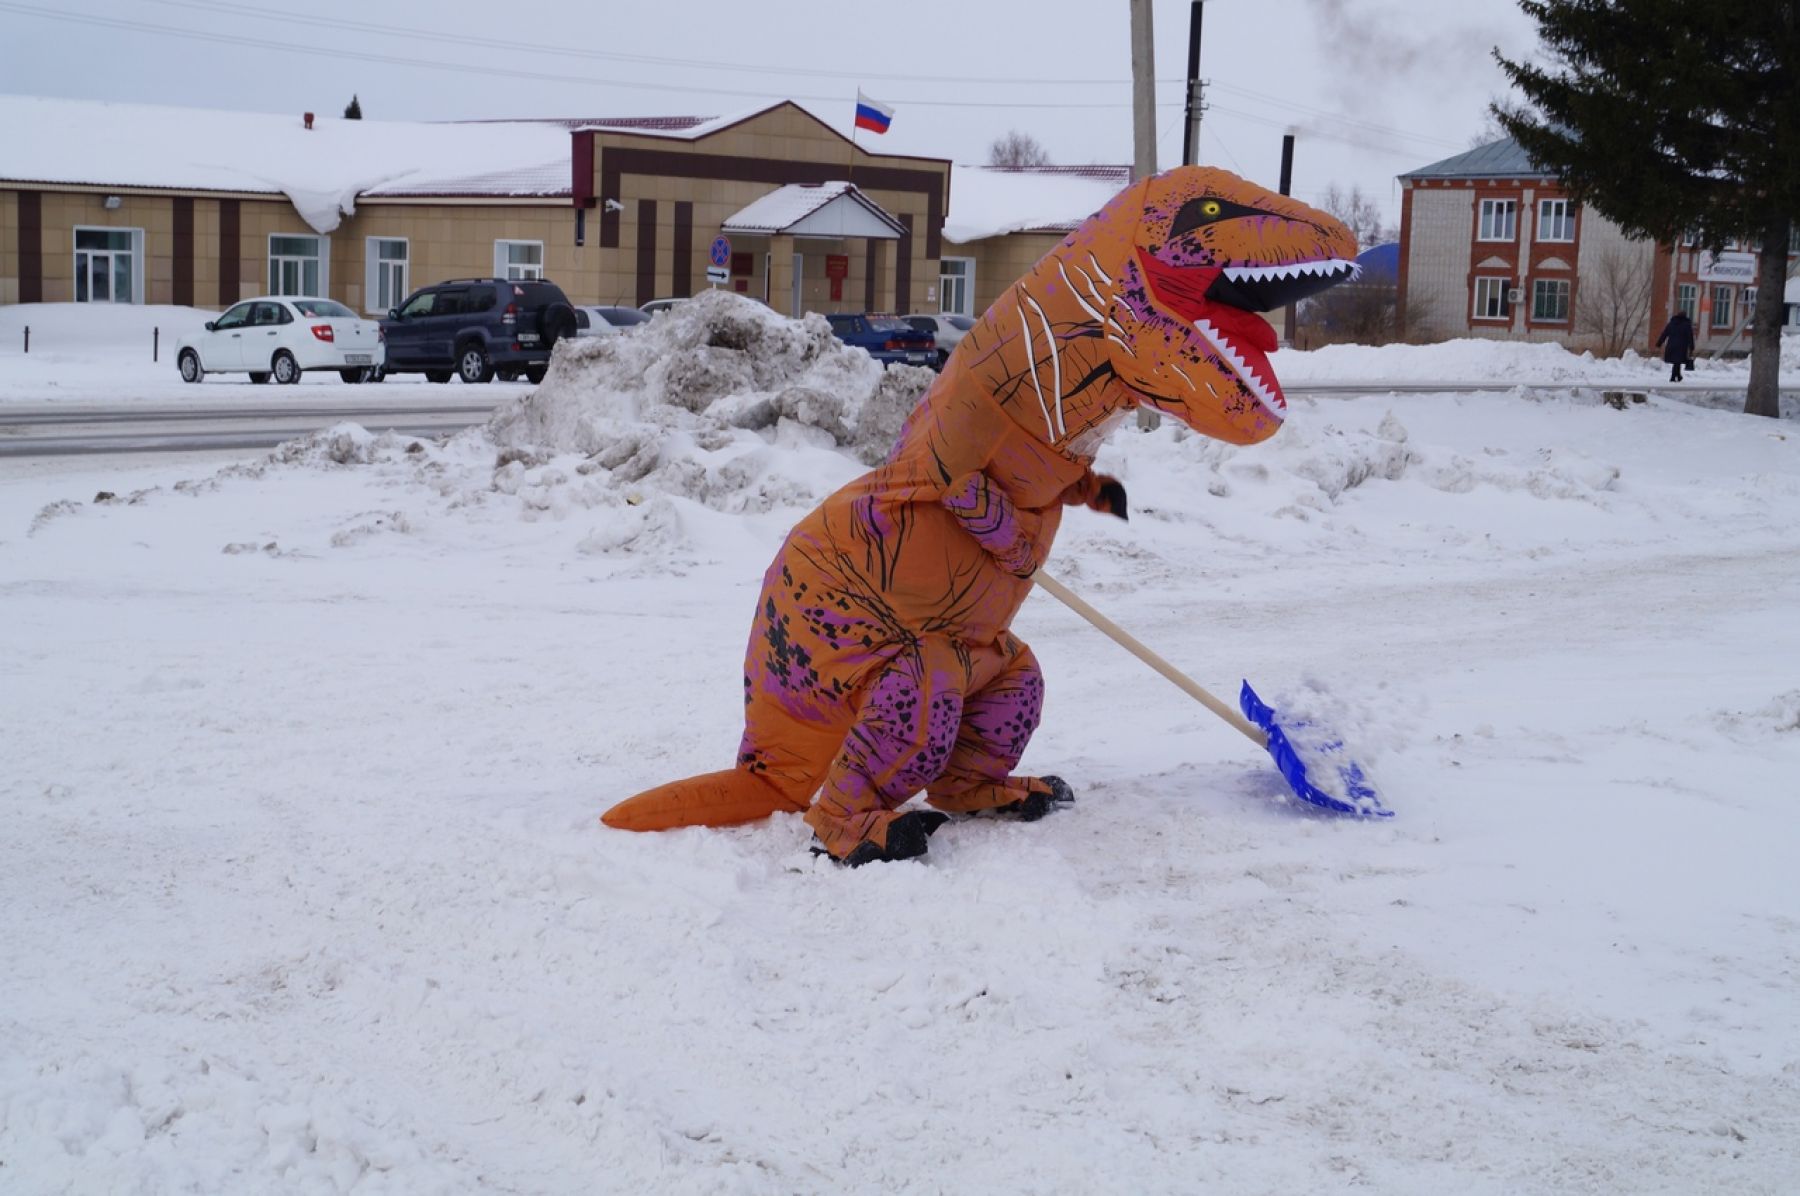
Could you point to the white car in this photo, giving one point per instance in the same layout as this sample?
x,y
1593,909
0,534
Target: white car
x,y
656,305
607,321
946,327
281,337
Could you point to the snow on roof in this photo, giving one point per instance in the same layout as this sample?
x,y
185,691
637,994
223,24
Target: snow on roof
x,y
785,207
653,124
549,178
322,170
989,201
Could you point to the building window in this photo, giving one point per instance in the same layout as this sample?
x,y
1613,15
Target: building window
x,y
386,284
1556,220
1499,220
108,267
518,261
1794,239
1687,299
956,285
1749,305
1721,305
1491,302
1550,300
296,265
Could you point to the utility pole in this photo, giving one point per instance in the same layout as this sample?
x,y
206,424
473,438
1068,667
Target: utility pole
x,y
1143,124
1196,90
1288,320
1143,91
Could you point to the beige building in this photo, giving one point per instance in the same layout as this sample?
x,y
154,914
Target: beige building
x,y
122,203
141,204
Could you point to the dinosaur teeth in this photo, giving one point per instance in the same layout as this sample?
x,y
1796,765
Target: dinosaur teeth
x,y
1333,267
1266,393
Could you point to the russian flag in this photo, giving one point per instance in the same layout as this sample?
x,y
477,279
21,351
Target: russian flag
x,y
871,114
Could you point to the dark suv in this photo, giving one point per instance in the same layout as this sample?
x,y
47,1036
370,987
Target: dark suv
x,y
477,328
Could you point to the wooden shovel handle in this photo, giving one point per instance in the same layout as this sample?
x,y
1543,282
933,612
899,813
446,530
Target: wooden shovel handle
x,y
1125,639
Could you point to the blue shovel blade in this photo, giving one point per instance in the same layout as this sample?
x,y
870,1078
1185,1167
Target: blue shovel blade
x,y
1359,797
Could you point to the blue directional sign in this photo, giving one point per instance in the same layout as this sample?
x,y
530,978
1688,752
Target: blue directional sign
x,y
721,251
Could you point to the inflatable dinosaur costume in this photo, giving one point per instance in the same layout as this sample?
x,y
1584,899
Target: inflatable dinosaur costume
x,y
881,661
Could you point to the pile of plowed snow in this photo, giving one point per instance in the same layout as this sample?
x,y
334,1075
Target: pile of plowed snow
x,y
676,401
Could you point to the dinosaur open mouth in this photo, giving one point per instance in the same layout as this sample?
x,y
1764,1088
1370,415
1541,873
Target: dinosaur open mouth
x,y
1265,288
1239,337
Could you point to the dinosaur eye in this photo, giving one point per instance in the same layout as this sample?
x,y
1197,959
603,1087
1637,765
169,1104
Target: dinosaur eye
x,y
1196,213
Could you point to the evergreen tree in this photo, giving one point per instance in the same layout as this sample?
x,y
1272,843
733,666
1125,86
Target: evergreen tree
x,y
354,111
1672,117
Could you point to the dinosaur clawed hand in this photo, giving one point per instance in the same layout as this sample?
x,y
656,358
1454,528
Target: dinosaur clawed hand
x,y
1098,492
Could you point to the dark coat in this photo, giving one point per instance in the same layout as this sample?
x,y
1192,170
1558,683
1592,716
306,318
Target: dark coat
x,y
1677,339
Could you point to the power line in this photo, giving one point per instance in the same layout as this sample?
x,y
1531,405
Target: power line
x,y
491,71
488,44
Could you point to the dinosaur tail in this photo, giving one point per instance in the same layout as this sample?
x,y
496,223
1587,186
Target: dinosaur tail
x,y
713,799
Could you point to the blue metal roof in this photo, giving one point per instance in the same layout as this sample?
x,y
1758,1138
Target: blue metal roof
x,y
1495,160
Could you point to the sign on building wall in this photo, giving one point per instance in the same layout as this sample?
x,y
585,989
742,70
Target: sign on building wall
x,y
1728,267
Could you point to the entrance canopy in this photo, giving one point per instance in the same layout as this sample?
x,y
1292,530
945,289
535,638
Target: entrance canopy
x,y
815,210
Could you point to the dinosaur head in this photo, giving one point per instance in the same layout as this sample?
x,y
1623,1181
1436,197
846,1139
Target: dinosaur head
x,y
1211,250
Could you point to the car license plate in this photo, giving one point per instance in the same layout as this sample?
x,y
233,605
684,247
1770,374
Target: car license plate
x,y
359,359
528,338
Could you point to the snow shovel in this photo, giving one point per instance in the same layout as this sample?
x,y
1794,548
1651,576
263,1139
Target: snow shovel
x,y
1258,723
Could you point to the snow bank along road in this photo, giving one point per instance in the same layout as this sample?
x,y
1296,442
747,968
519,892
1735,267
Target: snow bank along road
x,y
66,429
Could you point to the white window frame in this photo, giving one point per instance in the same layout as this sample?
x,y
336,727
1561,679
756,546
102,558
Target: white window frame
x,y
322,259
1721,312
1496,211
1687,299
965,282
504,266
1540,286
1494,285
1749,302
374,265
1558,216
135,250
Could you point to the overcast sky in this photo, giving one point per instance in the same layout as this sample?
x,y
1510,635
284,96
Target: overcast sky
x,y
1371,87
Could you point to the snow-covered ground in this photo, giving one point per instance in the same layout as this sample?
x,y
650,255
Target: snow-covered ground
x,y
304,756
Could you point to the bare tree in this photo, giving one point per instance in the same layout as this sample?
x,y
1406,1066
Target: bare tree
x,y
1360,214
1017,149
1614,304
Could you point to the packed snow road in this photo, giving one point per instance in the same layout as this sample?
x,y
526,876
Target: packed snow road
x,y
66,430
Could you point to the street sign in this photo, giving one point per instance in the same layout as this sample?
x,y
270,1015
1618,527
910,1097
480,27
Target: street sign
x,y
718,274
721,252
1728,267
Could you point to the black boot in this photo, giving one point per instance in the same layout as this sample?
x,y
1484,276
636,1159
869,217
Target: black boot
x,y
907,837
1036,804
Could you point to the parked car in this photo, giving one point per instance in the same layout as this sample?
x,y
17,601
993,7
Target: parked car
x,y
887,338
281,337
606,321
656,305
475,328
946,328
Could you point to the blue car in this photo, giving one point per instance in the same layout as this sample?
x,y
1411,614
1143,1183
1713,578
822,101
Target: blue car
x,y
888,339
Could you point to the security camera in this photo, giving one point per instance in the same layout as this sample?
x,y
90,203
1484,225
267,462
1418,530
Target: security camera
x,y
613,205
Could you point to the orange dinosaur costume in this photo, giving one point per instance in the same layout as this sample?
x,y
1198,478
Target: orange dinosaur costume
x,y
880,661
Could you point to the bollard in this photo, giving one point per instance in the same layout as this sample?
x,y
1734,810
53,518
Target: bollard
x,y
155,336
28,338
